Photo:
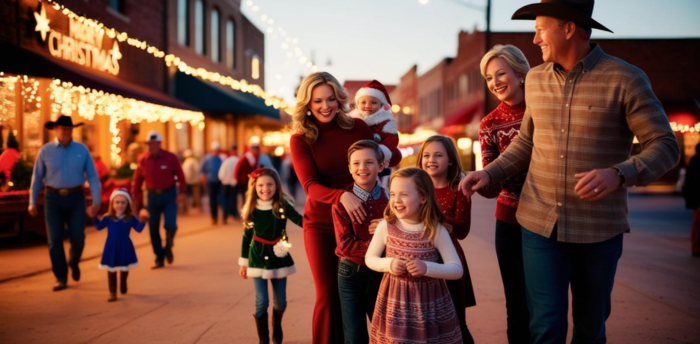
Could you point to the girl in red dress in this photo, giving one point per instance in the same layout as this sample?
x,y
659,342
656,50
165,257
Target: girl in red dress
x,y
438,156
322,130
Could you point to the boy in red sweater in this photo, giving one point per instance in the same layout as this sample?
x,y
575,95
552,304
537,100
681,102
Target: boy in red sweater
x,y
358,285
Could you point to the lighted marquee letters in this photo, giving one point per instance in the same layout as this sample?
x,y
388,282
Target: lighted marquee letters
x,y
82,45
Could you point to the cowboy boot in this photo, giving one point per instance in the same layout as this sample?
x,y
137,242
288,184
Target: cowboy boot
x,y
277,326
112,278
76,251
122,283
263,330
169,243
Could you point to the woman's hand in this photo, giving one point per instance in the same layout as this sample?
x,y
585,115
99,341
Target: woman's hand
x,y
398,267
417,268
373,225
243,271
353,205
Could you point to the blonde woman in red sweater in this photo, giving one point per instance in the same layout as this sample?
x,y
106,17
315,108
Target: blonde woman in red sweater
x,y
323,132
504,67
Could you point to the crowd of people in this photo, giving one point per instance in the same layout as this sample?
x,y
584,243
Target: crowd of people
x,y
556,155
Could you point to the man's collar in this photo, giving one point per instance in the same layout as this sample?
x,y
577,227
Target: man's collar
x,y
160,152
364,195
57,143
587,63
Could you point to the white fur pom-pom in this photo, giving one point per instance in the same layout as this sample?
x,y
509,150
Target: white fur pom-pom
x,y
281,248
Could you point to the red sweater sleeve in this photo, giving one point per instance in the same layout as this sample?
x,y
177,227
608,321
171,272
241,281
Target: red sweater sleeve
x,y
305,167
489,153
461,222
181,183
349,245
392,142
137,186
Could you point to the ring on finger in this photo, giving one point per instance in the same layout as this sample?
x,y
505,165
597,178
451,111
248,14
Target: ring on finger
x,y
596,190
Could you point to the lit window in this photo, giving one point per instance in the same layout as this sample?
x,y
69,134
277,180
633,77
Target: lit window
x,y
199,27
183,22
255,73
230,45
215,44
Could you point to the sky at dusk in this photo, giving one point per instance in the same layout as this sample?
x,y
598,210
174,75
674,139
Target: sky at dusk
x,y
382,39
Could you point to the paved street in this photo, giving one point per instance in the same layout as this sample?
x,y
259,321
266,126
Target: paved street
x,y
201,299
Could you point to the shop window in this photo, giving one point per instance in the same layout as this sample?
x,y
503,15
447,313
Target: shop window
x,y
118,5
199,32
183,22
215,42
463,84
230,45
255,68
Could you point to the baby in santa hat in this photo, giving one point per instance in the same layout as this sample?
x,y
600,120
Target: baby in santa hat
x,y
372,104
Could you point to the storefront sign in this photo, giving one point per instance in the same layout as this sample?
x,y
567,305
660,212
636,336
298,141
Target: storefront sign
x,y
82,44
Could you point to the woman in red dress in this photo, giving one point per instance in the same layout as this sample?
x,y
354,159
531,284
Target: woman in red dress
x,y
323,132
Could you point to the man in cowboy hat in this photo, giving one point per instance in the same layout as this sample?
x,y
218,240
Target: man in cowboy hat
x,y
160,170
584,108
63,165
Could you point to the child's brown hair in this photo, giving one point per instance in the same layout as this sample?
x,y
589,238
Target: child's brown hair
x,y
367,144
455,173
279,199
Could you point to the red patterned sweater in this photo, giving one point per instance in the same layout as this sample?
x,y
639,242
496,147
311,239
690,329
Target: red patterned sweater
x,y
322,168
458,210
496,132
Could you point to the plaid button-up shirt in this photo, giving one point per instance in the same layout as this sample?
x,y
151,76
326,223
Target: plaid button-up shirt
x,y
576,122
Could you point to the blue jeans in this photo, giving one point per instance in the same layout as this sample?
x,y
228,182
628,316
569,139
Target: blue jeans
x,y
358,294
509,250
279,294
60,210
166,204
214,189
231,206
550,266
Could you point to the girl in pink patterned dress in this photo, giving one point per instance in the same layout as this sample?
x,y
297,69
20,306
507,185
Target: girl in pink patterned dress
x,y
414,304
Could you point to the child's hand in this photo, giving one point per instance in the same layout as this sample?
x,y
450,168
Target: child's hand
x,y
373,225
417,268
243,271
144,215
398,267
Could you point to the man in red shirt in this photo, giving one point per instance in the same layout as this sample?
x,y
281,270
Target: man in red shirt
x,y
160,170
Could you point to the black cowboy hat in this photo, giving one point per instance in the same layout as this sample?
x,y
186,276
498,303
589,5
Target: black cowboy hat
x,y
63,121
577,11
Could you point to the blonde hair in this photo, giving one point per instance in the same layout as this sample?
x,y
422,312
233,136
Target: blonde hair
x,y
279,199
454,171
430,213
511,54
302,123
113,214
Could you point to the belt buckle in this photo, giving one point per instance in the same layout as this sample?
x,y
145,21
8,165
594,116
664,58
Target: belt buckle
x,y
64,192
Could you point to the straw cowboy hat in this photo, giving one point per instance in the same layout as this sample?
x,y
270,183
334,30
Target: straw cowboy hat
x,y
63,121
577,11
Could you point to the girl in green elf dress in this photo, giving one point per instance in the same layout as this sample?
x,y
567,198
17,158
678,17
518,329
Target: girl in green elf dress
x,y
264,255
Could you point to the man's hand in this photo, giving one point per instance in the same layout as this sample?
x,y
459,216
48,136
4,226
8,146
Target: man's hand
x,y
398,267
92,210
474,181
32,210
144,215
373,225
417,268
181,198
594,185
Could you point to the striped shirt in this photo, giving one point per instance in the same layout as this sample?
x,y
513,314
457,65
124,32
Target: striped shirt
x,y
577,122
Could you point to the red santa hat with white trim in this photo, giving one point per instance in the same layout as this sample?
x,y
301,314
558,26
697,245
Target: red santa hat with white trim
x,y
374,89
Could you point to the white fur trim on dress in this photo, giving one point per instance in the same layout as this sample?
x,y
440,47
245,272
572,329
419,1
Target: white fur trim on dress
x,y
242,261
387,154
372,92
118,268
271,274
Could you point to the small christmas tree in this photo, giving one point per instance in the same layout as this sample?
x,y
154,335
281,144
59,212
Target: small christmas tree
x,y
21,175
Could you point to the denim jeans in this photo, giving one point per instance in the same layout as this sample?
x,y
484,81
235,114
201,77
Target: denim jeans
x,y
358,294
231,207
166,204
509,250
214,189
550,266
279,295
60,210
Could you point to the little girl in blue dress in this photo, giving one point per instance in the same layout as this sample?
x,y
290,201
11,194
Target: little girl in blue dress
x,y
119,253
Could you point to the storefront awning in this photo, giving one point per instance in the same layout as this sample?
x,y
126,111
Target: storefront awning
x,y
208,97
15,60
463,115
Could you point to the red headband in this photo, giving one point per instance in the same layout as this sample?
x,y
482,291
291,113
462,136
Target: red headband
x,y
257,173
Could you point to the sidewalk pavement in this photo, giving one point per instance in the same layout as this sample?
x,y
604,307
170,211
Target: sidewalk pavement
x,y
201,298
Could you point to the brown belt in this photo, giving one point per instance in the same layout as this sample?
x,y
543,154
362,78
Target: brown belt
x,y
160,191
64,192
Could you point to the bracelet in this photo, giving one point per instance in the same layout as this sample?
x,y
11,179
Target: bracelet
x,y
619,175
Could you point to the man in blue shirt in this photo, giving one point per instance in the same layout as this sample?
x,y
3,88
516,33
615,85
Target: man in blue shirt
x,y
63,165
210,171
